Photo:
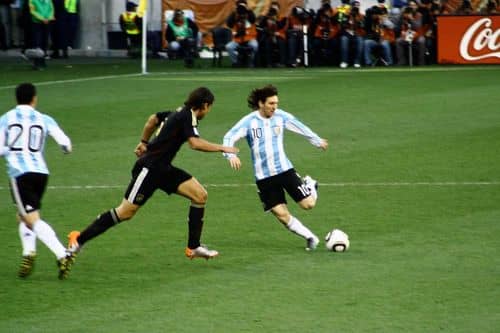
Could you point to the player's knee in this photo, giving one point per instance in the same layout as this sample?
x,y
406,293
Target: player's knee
x,y
283,217
125,213
307,203
200,197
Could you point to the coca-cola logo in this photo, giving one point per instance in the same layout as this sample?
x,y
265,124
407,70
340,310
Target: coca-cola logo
x,y
481,39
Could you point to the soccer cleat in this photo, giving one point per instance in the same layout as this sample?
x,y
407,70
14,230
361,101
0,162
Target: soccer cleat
x,y
312,243
64,265
312,185
73,246
343,65
201,252
27,265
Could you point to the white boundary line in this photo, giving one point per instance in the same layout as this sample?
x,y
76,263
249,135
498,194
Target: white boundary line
x,y
293,72
92,78
347,184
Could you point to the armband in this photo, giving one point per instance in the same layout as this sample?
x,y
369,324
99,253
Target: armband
x,y
144,141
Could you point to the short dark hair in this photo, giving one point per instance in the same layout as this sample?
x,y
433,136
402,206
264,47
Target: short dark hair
x,y
25,92
261,94
198,97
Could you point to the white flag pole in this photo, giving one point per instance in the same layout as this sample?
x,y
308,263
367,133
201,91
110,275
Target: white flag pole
x,y
144,40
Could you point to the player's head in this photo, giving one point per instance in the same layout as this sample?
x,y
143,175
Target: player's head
x,y
200,99
264,99
260,95
25,93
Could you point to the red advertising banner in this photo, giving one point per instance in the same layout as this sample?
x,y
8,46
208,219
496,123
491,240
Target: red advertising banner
x,y
468,39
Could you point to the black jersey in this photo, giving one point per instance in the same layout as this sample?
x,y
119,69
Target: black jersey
x,y
175,129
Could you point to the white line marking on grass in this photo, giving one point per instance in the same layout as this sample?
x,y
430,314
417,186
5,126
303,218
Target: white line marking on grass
x,y
347,184
93,78
294,73
228,78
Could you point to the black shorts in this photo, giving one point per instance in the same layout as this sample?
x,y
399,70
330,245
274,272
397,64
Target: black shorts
x,y
27,191
272,189
145,181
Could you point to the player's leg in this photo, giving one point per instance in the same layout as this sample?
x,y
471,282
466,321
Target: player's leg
x,y
294,225
28,242
125,211
27,191
195,192
273,196
140,189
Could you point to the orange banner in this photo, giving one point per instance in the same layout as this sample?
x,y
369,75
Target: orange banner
x,y
469,39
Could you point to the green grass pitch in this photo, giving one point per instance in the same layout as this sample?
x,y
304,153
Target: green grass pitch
x,y
412,175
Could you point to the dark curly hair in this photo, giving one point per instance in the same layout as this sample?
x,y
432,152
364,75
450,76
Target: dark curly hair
x,y
261,94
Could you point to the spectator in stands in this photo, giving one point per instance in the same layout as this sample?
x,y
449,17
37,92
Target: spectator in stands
x,y
131,25
25,25
182,35
64,27
42,13
271,30
465,8
58,29
351,33
299,18
491,8
325,32
379,35
244,43
5,24
412,34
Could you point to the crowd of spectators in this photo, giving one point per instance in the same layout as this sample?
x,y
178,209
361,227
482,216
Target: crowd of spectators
x,y
398,33
403,32
39,26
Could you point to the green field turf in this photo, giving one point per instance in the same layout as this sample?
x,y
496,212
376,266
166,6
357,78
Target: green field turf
x,y
412,175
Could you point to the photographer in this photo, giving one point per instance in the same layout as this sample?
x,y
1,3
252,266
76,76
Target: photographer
x,y
298,20
271,30
242,23
182,35
411,34
351,33
326,29
379,34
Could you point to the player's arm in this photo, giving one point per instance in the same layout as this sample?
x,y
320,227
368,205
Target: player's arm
x,y
200,144
296,126
58,135
149,128
238,131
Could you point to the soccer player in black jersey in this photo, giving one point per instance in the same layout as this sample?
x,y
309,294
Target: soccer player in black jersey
x,y
154,170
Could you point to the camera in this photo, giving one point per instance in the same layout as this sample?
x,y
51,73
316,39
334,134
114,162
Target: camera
x,y
241,9
301,14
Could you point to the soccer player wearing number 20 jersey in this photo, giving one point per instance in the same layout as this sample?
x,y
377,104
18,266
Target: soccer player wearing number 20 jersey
x,y
23,132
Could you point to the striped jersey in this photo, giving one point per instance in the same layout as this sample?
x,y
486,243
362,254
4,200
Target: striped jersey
x,y
23,131
265,139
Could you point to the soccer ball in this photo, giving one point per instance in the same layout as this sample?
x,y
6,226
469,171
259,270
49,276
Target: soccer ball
x,y
337,241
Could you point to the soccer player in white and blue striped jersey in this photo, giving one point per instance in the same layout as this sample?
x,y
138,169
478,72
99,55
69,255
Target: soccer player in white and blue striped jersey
x,y
23,132
263,130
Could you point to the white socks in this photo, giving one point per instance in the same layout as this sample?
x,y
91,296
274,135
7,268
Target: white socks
x,y
46,234
28,239
297,227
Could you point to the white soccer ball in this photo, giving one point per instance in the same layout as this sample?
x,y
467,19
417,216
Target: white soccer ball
x,y
337,241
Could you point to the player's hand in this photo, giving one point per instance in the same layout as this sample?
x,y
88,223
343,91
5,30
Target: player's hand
x,y
235,162
67,149
324,144
140,149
